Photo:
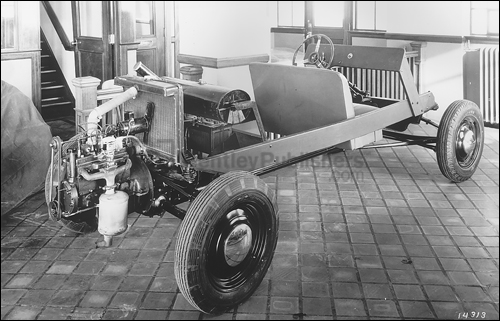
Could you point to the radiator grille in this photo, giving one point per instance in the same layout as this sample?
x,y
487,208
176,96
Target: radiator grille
x,y
481,82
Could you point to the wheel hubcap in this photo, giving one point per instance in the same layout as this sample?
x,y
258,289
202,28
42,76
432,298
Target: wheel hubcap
x,y
466,143
238,244
469,141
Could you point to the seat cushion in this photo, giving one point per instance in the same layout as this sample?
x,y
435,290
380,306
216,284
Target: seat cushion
x,y
361,109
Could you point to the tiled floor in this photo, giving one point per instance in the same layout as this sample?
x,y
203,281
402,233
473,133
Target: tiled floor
x,y
365,234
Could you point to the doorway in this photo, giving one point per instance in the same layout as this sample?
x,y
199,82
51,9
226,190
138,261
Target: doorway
x,y
111,36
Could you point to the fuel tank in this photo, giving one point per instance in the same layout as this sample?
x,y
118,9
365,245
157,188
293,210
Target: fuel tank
x,y
214,102
199,99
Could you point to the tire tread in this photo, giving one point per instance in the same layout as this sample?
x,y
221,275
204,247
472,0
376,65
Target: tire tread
x,y
444,149
190,233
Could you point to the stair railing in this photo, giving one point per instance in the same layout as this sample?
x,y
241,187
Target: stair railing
x,y
68,46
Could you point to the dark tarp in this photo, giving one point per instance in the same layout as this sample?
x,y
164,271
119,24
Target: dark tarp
x,y
25,147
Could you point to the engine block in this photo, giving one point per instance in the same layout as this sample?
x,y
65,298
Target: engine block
x,y
147,155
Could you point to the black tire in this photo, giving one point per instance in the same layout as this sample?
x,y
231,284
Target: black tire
x,y
460,140
83,223
240,205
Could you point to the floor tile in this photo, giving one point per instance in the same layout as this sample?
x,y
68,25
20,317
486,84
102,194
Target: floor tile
x,y
394,240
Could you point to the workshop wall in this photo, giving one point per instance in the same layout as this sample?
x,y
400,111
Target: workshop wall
x,y
229,29
225,29
427,17
442,71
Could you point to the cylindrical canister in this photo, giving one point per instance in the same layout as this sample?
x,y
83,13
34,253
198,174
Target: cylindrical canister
x,y
113,211
193,73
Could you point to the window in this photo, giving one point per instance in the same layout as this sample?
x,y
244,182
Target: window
x,y
484,18
9,25
144,18
291,13
365,15
91,18
328,13
370,15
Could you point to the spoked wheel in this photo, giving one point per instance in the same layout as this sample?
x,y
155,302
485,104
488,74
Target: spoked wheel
x,y
226,242
83,223
460,140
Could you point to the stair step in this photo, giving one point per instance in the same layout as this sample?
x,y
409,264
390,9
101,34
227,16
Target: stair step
x,y
51,99
45,56
60,103
48,71
52,87
44,83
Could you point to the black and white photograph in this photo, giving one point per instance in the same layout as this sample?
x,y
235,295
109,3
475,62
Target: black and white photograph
x,y
250,160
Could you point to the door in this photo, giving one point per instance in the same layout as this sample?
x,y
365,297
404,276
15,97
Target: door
x,y
111,36
140,36
91,30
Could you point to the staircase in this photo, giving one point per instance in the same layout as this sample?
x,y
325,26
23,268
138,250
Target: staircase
x,y
57,99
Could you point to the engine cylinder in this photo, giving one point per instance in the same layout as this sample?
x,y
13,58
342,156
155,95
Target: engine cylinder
x,y
113,211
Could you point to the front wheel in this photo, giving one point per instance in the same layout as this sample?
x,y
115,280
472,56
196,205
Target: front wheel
x,y
226,242
460,140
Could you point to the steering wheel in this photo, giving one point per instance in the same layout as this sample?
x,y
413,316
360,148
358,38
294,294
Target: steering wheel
x,y
315,57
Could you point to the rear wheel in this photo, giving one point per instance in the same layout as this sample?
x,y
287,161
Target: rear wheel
x,y
226,242
460,140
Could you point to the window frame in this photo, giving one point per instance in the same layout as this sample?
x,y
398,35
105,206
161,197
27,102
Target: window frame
x,y
15,47
288,26
356,19
487,22
151,22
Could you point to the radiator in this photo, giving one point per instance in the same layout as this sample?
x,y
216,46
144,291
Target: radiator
x,y
382,83
165,138
378,83
481,81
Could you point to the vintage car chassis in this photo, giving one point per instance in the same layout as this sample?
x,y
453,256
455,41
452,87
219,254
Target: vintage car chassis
x,y
229,231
